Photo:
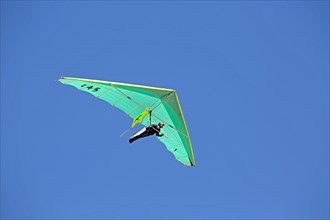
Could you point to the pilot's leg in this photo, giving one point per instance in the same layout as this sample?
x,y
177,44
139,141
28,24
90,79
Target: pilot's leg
x,y
140,134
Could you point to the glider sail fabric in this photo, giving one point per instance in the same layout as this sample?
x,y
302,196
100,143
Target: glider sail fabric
x,y
140,117
137,101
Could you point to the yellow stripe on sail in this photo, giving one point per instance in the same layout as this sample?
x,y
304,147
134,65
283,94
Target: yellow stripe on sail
x,y
139,118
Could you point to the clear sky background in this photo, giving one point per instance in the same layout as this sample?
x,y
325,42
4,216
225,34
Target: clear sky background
x,y
252,79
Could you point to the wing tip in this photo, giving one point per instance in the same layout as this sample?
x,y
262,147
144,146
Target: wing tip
x,y
191,164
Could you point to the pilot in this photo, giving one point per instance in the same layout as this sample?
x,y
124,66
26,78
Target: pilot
x,y
147,131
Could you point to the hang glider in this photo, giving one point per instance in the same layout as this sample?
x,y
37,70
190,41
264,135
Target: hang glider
x,y
145,104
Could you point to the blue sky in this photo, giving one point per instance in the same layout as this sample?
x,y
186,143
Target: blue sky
x,y
252,79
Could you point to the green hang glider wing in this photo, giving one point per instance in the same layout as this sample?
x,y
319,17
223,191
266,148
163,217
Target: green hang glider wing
x,y
135,100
